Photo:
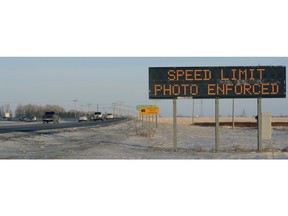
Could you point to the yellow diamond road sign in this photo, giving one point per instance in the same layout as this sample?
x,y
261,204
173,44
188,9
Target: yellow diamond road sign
x,y
149,110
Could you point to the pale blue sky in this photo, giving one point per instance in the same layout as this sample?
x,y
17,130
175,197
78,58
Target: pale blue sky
x,y
103,81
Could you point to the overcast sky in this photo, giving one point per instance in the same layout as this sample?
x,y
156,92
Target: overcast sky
x,y
104,81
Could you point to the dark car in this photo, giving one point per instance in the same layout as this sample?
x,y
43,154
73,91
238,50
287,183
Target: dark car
x,y
50,117
31,118
24,118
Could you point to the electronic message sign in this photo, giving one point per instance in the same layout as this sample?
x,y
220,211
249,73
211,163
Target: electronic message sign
x,y
217,82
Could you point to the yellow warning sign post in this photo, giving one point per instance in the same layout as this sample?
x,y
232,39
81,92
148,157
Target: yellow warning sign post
x,y
149,110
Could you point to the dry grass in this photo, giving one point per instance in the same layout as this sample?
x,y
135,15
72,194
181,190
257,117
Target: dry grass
x,y
188,121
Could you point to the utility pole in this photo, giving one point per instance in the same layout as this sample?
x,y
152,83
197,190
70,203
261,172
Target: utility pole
x,y
88,107
121,111
114,107
75,106
88,111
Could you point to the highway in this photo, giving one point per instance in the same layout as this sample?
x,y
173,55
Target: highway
x,y
38,126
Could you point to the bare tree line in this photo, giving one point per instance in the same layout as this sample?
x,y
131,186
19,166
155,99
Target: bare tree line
x,y
30,110
37,110
5,109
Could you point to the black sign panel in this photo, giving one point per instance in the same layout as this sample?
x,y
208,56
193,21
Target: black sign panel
x,y
222,82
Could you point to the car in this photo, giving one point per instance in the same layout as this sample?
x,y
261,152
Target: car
x,y
50,117
24,118
109,116
83,118
98,116
31,118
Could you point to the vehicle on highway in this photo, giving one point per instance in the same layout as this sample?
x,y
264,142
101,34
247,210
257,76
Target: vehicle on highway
x,y
109,116
98,116
50,117
6,119
22,118
33,118
83,118
30,118
27,118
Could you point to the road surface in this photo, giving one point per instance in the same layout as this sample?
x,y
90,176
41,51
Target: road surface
x,y
38,126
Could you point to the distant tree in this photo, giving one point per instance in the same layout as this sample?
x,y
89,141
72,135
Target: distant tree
x,y
5,109
1,111
36,110
19,111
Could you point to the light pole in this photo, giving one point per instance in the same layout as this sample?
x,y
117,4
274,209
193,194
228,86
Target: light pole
x,y
88,111
75,102
114,106
121,103
88,107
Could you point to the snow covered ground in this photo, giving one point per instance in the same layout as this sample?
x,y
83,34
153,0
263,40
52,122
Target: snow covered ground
x,y
131,140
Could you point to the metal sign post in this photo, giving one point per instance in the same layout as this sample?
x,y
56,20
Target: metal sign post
x,y
233,113
193,106
156,121
175,124
259,121
156,115
149,131
217,124
148,110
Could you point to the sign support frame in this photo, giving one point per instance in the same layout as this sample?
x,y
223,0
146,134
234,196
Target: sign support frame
x,y
156,121
233,113
259,121
193,110
175,124
217,125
